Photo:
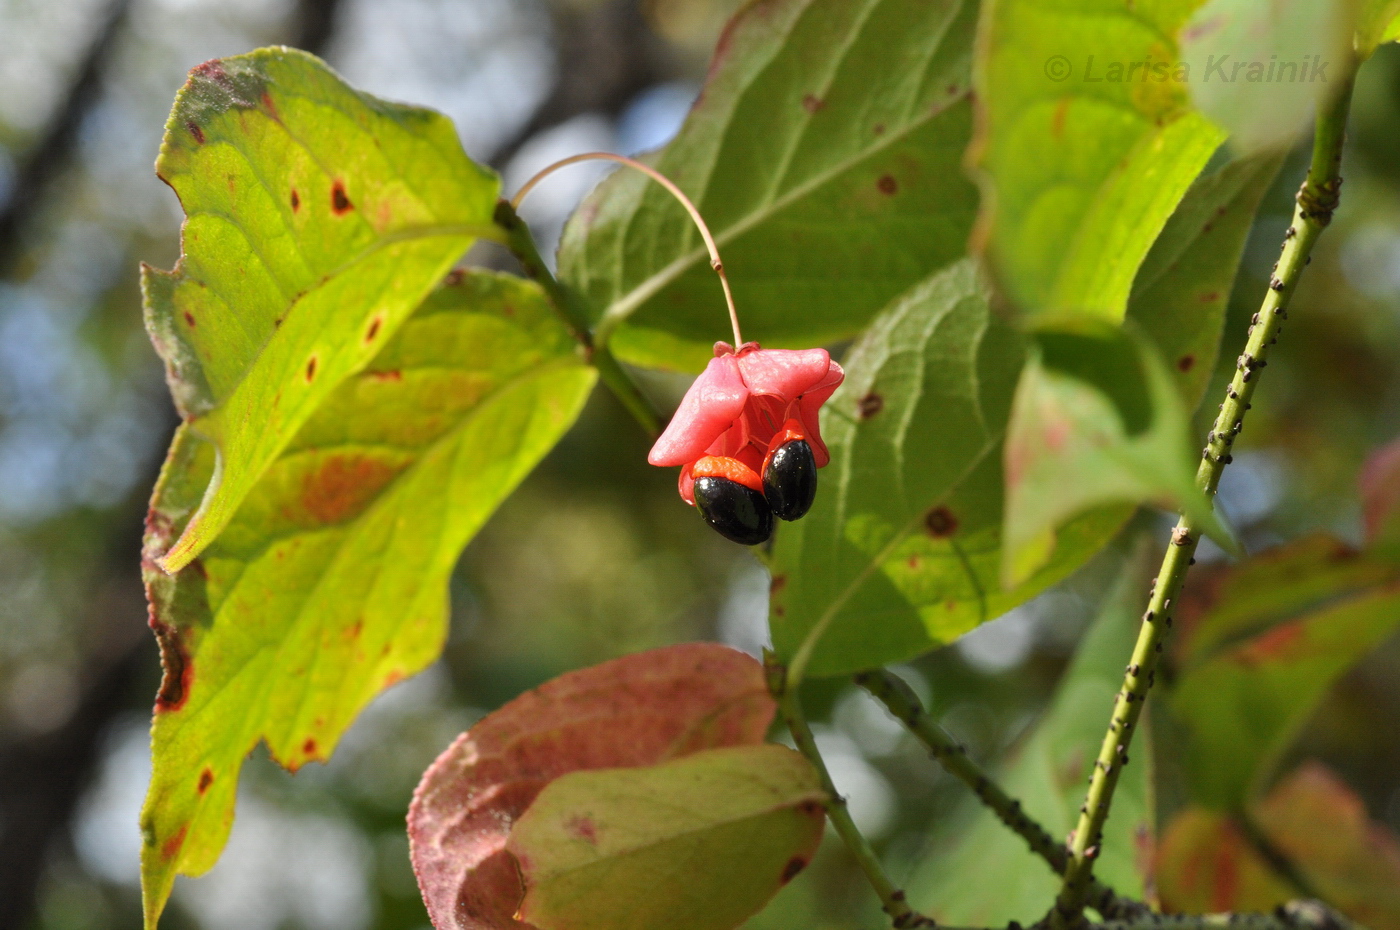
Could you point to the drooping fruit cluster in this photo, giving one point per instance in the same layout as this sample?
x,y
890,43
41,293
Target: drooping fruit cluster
x,y
748,438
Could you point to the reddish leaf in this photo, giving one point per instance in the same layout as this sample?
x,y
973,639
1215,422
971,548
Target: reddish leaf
x,y
1321,824
638,710
1207,863
1380,495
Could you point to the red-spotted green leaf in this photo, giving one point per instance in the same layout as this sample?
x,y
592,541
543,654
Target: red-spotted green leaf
x,y
825,152
699,843
1096,421
1209,863
1265,642
1183,287
317,219
1260,69
329,583
900,551
639,710
1048,774
1080,171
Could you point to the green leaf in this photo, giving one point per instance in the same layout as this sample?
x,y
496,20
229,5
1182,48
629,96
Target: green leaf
x,y
1239,705
1097,420
329,583
900,551
639,710
318,218
1183,287
700,843
1048,774
1377,22
1260,69
825,153
1081,169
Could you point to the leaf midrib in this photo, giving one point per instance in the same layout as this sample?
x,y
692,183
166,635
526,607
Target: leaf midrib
x,y
621,309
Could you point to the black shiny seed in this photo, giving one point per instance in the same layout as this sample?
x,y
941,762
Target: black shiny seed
x,y
736,512
790,480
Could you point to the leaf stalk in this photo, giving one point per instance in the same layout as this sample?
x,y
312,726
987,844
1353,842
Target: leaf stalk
x,y
891,897
522,246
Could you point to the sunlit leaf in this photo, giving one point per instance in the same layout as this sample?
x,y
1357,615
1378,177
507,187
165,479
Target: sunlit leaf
x,y
318,218
1377,21
1239,705
901,550
825,152
1049,774
1208,861
1183,287
329,583
639,710
1097,420
1081,165
1260,69
699,843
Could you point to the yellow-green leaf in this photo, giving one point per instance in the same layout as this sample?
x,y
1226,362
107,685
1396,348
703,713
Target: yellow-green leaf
x,y
700,843
1081,165
317,219
329,582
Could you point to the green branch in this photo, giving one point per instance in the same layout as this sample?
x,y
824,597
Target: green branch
x,y
1316,201
901,701
891,898
522,246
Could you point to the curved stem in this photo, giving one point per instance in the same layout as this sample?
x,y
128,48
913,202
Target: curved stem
x,y
1316,201
901,701
891,898
675,192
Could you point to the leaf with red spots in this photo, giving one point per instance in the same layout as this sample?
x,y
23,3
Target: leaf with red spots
x,y
1181,291
1047,773
1264,642
1082,169
901,550
1208,861
1097,421
329,582
639,710
311,210
699,843
825,152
